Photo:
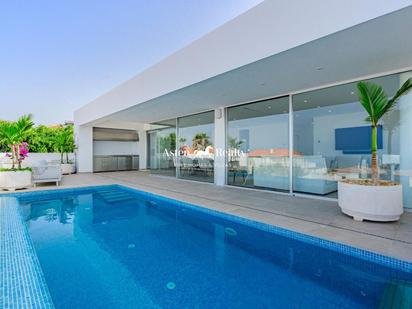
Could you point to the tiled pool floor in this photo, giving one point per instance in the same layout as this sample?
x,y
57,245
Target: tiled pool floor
x,y
22,283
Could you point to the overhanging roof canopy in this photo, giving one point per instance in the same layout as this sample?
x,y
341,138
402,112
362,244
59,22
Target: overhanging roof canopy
x,y
273,49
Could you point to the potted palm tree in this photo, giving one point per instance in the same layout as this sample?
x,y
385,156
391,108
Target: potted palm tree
x,y
13,134
373,199
64,144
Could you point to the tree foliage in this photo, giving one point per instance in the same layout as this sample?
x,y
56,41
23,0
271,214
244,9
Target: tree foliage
x,y
42,138
376,103
64,142
14,134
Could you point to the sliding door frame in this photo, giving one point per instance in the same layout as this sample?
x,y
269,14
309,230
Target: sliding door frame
x,y
291,128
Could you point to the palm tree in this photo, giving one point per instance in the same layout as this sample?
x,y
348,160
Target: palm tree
x,y
13,134
64,142
376,103
234,143
70,143
200,141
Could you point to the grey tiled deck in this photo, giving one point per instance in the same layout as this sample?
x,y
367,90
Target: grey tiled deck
x,y
318,218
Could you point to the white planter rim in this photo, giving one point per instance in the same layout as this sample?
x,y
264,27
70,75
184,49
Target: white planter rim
x,y
68,168
15,179
371,202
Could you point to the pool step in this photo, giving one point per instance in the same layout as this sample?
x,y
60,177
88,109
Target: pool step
x,y
115,196
397,294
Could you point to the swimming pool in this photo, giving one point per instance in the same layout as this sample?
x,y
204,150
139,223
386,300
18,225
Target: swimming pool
x,y
116,247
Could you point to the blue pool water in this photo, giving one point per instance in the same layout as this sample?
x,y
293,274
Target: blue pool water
x,y
113,247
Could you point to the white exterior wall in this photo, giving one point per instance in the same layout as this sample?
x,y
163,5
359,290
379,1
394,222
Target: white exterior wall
x,y
84,154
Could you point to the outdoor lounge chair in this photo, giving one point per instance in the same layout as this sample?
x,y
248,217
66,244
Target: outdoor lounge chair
x,y
46,172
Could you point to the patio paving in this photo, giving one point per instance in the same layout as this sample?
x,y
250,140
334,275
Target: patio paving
x,y
320,218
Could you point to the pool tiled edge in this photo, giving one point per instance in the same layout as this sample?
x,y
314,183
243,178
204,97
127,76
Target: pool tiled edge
x,y
22,283
327,244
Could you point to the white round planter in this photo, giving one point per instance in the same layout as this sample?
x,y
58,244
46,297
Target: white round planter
x,y
15,180
375,203
68,168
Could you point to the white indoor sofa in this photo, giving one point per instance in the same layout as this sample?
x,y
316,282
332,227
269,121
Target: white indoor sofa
x,y
310,174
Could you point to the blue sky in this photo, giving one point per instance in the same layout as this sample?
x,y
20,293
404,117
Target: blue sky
x,y
56,56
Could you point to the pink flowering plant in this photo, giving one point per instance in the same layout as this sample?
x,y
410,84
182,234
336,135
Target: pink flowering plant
x,y
14,134
19,152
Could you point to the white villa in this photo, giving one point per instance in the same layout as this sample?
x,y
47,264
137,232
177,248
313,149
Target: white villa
x,y
268,101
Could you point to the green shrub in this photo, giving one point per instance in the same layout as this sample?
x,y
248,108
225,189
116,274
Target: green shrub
x,y
43,139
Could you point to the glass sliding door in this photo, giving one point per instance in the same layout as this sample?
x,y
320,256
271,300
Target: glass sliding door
x,y
162,148
258,145
195,145
332,139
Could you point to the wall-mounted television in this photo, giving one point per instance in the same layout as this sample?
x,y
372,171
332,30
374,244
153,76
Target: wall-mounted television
x,y
356,140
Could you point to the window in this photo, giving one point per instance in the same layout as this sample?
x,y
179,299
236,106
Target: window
x,y
162,147
258,145
196,151
332,139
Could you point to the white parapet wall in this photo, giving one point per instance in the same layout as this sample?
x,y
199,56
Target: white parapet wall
x,y
34,158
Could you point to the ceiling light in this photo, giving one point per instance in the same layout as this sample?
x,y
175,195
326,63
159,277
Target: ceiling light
x,y
329,111
269,107
305,101
352,92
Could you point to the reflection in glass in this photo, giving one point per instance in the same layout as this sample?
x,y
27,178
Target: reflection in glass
x,y
258,145
333,139
162,147
196,151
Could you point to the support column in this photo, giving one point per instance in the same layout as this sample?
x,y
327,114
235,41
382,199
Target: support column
x,y
84,152
142,149
405,129
220,147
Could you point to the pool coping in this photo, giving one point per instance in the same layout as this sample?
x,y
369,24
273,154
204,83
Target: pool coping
x,y
41,291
